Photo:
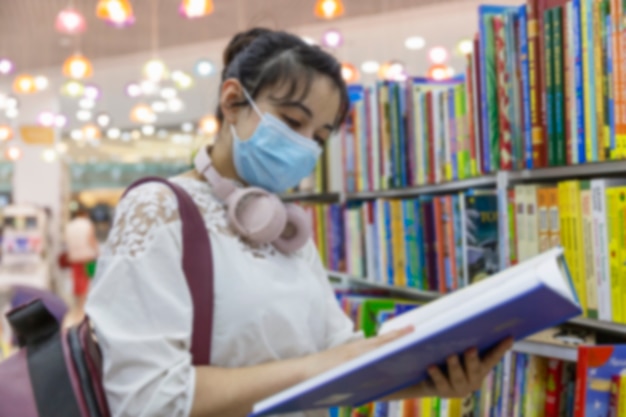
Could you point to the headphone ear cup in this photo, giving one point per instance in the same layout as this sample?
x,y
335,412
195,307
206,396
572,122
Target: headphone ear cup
x,y
297,231
256,215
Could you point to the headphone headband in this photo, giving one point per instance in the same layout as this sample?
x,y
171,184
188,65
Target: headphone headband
x,y
221,186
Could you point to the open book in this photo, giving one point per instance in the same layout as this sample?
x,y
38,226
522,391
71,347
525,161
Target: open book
x,y
519,301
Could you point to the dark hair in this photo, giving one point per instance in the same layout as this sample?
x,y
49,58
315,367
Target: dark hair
x,y
261,58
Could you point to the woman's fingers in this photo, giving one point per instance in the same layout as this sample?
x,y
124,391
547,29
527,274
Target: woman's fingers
x,y
472,369
458,380
442,386
491,359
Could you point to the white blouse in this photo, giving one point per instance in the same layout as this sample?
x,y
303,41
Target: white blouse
x,y
268,306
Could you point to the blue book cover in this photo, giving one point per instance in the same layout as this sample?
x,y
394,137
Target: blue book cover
x,y
591,76
388,242
411,243
523,54
608,39
421,271
596,366
404,362
403,147
578,81
453,139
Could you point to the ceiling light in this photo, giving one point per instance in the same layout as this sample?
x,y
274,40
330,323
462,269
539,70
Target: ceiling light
x,y
155,70
349,73
6,133
438,55
73,88
118,13
91,132
133,90
466,47
6,66
175,105
332,39
148,130
61,147
103,120
168,93
329,9
46,119
78,67
182,80
187,127
10,102
414,43
204,68
196,8
13,153
60,121
83,115
158,106
114,133
76,134
142,113
148,87
24,84
92,92
70,21
41,82
86,103
370,67
49,155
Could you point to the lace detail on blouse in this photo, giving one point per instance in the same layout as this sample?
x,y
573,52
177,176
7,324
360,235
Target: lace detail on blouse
x,y
151,206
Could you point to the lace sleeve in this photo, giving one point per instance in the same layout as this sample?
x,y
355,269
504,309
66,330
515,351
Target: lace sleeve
x,y
140,213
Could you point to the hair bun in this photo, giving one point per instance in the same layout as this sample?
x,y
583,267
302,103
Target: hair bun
x,y
240,42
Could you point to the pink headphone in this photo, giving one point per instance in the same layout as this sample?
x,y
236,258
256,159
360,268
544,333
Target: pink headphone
x,y
256,214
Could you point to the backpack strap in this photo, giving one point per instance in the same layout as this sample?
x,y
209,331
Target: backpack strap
x,y
197,266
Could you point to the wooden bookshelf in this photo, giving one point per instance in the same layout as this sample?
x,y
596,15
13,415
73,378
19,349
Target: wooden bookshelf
x,y
614,329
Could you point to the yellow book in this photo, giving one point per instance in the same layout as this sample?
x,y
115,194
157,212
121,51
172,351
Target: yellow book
x,y
454,408
426,407
397,234
576,237
320,214
613,224
566,235
588,249
620,289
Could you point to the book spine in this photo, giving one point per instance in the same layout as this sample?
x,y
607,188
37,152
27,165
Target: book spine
x,y
403,146
381,271
460,111
614,396
588,251
620,281
477,105
389,242
535,72
447,141
532,221
357,139
600,244
569,86
370,236
513,256
395,149
398,242
549,86
452,275
553,217
517,104
552,406
598,32
581,382
526,90
520,220
385,129
619,79
577,244
418,131
589,75
486,76
503,98
432,155
609,83
558,98
409,134
458,276
613,222
622,396
439,241
411,243
543,211
431,245
421,243
471,122
579,83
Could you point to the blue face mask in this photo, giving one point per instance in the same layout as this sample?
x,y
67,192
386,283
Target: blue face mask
x,y
275,157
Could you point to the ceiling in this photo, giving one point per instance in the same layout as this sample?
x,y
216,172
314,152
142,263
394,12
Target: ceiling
x,y
27,32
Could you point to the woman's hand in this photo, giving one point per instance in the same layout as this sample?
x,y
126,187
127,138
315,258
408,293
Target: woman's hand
x,y
328,359
462,379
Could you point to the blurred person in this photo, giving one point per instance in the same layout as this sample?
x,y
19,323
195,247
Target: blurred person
x,y
82,250
276,320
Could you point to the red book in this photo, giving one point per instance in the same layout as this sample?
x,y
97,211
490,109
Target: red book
x,y
554,388
450,244
504,101
439,242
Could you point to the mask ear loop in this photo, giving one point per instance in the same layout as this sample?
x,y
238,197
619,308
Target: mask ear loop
x,y
252,103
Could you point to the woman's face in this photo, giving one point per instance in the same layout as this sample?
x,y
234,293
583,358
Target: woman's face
x,y
312,116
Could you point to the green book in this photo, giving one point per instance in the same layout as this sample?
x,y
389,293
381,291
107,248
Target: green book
x,y
492,93
559,92
549,86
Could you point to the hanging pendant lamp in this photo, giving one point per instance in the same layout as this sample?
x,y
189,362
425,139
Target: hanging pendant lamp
x,y
329,9
196,8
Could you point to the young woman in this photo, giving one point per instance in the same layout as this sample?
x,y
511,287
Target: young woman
x,y
276,319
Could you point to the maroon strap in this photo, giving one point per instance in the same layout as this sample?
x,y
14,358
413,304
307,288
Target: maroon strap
x,y
198,269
